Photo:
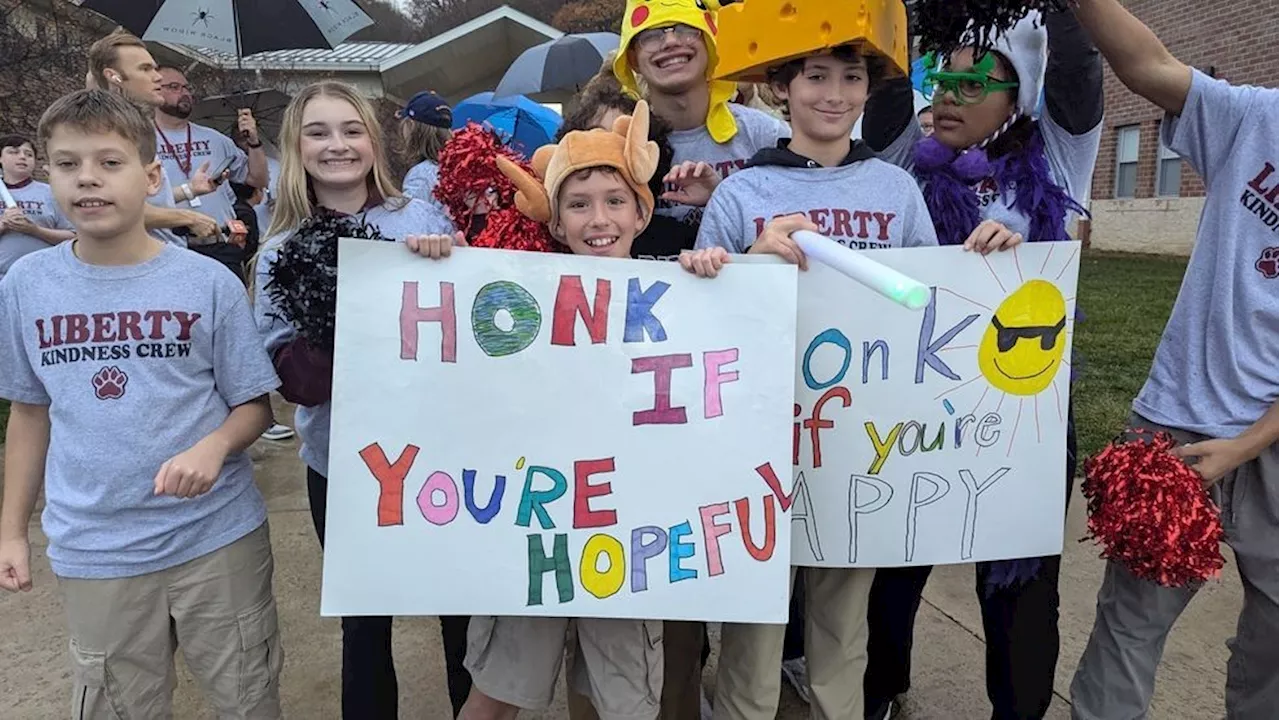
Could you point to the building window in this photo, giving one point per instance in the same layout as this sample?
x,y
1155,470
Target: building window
x,y
1168,173
1127,161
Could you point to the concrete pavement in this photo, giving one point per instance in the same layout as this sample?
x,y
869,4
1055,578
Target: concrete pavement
x,y
35,679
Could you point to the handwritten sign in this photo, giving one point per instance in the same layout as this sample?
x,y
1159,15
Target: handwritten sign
x,y
935,436
526,434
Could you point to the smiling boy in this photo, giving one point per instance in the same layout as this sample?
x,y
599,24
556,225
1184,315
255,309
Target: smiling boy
x,y
822,181
32,225
671,47
118,352
592,192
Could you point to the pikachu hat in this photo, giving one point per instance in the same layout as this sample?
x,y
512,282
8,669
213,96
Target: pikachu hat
x,y
641,15
627,149
759,34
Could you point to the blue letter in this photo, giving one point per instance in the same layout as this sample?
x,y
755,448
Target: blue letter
x,y
531,501
680,551
640,317
837,338
926,349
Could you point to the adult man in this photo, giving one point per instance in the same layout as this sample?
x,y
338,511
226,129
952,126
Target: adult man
x,y
187,150
121,61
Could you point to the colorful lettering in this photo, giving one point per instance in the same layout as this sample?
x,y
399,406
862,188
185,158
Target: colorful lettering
x,y
390,477
583,491
713,406
540,564
677,551
412,314
571,303
532,501
482,514
442,514
711,532
640,318
834,337
526,318
602,583
642,551
662,413
762,552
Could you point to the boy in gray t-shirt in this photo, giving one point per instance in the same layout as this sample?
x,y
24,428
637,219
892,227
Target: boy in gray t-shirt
x,y
1213,383
138,381
819,180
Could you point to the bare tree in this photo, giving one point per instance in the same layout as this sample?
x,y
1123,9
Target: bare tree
x,y
43,44
436,16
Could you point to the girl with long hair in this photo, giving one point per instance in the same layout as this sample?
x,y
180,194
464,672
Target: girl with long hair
x,y
333,168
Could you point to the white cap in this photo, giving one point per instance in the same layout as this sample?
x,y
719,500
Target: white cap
x,y
1026,47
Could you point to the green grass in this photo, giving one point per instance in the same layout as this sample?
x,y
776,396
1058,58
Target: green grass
x,y
1126,300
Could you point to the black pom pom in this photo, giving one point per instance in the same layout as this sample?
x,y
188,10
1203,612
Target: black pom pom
x,y
304,275
942,24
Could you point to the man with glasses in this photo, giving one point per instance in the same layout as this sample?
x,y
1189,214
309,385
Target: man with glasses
x,y
198,159
670,47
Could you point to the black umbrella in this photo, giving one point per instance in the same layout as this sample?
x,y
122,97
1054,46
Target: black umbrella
x,y
237,27
565,63
220,112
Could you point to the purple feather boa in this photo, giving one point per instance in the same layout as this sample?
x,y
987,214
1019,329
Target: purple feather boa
x,y
947,178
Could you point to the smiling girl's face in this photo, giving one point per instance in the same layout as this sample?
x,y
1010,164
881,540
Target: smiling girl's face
x,y
336,148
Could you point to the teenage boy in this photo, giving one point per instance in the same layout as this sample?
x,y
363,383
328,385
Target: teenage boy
x,y
137,381
34,224
822,181
670,47
1213,381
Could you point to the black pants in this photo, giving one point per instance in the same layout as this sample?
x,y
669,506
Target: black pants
x,y
1020,625
369,688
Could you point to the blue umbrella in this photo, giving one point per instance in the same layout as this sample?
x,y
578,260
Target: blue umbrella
x,y
523,124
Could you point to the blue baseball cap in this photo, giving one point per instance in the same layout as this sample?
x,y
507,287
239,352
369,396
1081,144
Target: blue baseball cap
x,y
428,108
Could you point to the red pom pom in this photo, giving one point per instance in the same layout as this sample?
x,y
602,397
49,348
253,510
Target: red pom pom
x,y
510,229
1151,513
469,170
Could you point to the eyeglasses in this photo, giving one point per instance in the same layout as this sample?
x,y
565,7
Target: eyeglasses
x,y
653,38
968,87
176,87
1007,337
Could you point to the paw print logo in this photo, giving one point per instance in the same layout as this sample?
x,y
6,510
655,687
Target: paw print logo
x,y
109,383
1269,263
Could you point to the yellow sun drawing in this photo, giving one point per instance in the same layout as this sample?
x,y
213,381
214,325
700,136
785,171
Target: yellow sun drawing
x,y
1023,345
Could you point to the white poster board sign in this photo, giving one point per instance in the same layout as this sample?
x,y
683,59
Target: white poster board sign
x,y
536,434
935,436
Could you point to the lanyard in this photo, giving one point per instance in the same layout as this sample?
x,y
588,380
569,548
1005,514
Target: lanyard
x,y
185,167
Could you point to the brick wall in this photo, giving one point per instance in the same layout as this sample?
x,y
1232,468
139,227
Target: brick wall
x,y
1238,38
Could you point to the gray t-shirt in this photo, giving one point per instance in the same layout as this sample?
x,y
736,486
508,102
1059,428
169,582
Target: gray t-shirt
x,y
177,149
136,363
756,131
420,182
1215,368
164,199
1071,161
867,204
36,201
414,218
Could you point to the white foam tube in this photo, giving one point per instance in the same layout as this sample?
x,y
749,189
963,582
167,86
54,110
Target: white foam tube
x,y
909,293
9,202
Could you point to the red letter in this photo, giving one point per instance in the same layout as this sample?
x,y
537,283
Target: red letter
x,y
583,491
130,325
766,472
158,318
390,477
411,314
1257,182
45,341
571,300
77,329
661,367
765,551
816,422
185,322
102,327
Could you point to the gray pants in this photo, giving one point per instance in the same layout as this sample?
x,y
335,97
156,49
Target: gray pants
x,y
1117,672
